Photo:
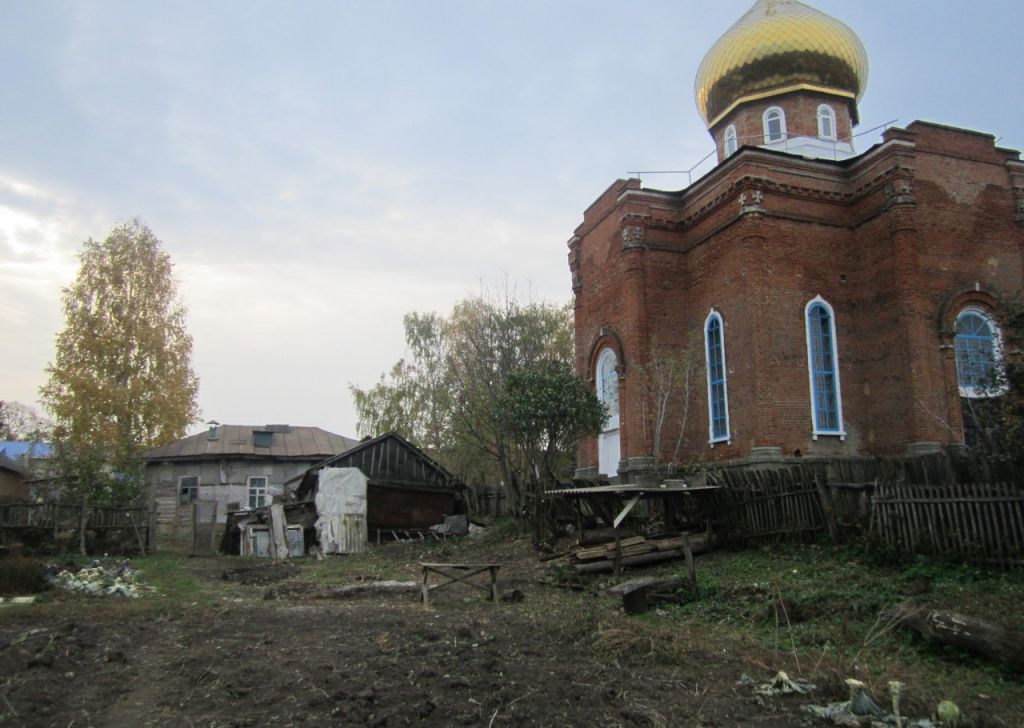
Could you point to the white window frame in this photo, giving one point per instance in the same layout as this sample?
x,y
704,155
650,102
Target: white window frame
x,y
782,124
971,391
609,443
604,374
731,143
816,433
825,112
192,488
260,493
727,438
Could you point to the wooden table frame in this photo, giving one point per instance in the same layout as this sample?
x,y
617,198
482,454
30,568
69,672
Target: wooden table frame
x,y
459,573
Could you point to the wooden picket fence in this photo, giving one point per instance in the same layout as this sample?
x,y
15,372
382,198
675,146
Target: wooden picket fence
x,y
51,524
924,505
975,521
771,504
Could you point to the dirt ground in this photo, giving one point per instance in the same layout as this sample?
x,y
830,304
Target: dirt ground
x,y
258,649
373,660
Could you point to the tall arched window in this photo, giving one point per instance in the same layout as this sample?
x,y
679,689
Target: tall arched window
x,y
826,122
976,341
774,125
730,140
608,392
718,395
823,368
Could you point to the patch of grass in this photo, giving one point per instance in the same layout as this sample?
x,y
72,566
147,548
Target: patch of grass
x,y
172,581
831,627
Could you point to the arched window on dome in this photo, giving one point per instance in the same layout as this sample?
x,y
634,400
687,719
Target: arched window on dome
x,y
718,394
823,369
730,140
826,123
978,349
774,125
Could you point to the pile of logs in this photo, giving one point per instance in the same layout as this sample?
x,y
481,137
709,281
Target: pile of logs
x,y
634,551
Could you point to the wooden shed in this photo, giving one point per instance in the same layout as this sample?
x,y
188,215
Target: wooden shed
x,y
406,489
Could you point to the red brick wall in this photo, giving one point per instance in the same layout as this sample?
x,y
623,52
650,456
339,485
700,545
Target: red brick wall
x,y
889,259
801,110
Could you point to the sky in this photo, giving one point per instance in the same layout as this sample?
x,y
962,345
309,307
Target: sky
x,y
318,169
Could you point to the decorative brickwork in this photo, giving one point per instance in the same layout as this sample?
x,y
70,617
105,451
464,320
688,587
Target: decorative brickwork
x,y
890,238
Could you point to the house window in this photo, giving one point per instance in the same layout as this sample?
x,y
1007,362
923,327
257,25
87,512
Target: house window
x,y
774,125
718,397
188,489
822,369
826,122
262,438
976,341
730,140
257,492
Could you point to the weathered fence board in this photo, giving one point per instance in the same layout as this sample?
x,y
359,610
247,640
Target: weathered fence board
x,y
21,520
982,521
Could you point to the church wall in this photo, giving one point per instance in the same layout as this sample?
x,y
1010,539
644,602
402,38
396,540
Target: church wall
x,y
888,241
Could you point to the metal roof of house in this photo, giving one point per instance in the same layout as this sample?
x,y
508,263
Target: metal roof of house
x,y
15,449
7,464
286,442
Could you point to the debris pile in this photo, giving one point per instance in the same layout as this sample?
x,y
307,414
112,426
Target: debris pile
x,y
99,579
862,710
634,551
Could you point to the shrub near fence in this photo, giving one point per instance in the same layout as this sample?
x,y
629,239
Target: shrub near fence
x,y
54,527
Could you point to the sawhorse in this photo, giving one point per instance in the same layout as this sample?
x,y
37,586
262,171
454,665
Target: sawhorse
x,y
459,572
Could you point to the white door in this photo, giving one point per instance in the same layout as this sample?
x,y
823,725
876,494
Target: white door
x,y
608,393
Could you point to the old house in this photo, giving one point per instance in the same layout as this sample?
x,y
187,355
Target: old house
x,y
234,466
12,481
406,488
837,302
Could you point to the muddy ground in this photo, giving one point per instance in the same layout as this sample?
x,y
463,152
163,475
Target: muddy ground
x,y
258,649
373,660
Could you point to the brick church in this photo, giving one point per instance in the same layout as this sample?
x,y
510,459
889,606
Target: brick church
x,y
818,300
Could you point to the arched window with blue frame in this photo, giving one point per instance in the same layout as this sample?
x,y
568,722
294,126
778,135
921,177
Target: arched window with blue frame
x,y
978,353
718,391
823,369
608,444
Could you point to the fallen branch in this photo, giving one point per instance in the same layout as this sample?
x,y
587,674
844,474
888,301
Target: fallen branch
x,y
959,630
344,592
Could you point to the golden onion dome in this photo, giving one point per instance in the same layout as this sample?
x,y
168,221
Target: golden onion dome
x,y
777,47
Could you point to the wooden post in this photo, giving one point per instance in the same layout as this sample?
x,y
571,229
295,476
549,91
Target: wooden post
x,y
195,525
213,529
138,535
425,590
618,553
151,529
691,570
83,520
827,510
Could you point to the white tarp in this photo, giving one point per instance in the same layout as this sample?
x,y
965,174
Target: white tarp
x,y
341,510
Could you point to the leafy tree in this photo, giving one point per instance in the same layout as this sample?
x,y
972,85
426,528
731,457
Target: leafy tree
x,y
545,409
446,395
122,380
20,422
